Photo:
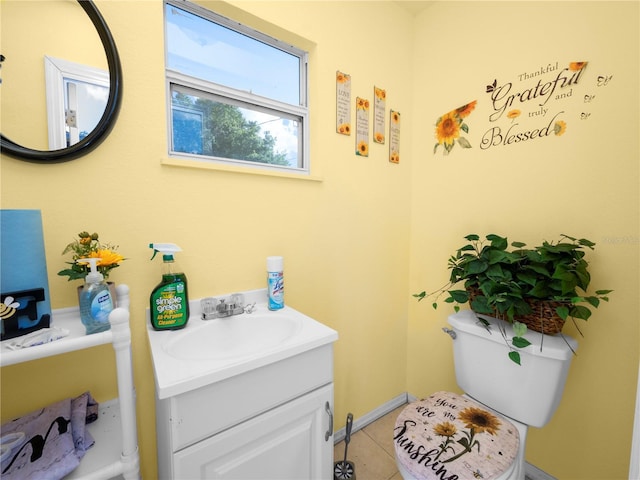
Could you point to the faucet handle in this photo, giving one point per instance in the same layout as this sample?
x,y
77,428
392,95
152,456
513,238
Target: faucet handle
x,y
237,300
209,308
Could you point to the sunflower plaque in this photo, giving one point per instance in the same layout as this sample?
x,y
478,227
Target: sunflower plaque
x,y
343,103
362,127
379,106
394,137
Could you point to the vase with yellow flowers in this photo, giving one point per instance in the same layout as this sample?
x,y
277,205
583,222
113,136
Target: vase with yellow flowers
x,y
89,246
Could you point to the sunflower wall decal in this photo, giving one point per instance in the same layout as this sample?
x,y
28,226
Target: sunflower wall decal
x,y
450,126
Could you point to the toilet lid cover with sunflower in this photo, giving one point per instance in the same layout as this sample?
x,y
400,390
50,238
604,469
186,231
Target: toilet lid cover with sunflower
x,y
449,436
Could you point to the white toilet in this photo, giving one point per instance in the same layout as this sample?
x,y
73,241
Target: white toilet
x,y
482,433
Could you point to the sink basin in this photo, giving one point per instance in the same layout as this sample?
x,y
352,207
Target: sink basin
x,y
236,336
210,351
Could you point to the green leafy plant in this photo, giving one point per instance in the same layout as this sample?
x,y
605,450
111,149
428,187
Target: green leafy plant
x,y
502,280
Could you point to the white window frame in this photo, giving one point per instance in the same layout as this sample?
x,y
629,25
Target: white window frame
x,y
240,97
55,71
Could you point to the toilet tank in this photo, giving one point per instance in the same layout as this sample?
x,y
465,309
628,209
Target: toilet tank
x,y
528,393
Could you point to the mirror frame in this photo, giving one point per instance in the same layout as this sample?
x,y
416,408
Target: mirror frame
x,y
98,134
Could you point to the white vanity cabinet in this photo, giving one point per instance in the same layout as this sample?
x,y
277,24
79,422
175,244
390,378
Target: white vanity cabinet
x,y
287,442
115,453
267,416
274,422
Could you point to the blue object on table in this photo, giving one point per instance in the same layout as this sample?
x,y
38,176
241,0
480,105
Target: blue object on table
x,y
25,305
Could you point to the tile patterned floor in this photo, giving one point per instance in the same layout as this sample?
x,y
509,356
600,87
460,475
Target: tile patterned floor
x,y
371,450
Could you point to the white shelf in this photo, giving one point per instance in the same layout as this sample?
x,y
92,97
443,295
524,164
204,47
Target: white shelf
x,y
68,318
104,456
115,453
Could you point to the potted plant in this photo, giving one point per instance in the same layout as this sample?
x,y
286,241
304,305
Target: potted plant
x,y
89,246
539,287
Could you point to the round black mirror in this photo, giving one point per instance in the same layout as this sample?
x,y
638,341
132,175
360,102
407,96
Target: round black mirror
x,y
106,122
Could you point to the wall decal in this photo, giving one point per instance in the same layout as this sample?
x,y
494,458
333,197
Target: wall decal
x,y
394,137
362,127
379,117
343,103
449,126
532,106
601,81
531,94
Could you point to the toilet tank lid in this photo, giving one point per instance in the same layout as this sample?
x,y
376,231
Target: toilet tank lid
x,y
558,346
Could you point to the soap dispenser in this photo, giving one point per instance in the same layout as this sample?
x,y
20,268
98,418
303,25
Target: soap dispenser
x,y
95,300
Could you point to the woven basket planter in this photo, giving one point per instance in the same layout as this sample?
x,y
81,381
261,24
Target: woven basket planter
x,y
543,317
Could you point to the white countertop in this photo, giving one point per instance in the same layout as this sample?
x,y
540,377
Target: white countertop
x,y
174,376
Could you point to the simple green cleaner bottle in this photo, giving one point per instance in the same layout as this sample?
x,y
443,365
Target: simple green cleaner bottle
x,y
169,301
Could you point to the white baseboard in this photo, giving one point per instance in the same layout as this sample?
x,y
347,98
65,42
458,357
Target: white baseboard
x,y
372,416
531,471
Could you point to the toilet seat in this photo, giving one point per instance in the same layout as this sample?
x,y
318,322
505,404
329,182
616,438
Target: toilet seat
x,y
451,436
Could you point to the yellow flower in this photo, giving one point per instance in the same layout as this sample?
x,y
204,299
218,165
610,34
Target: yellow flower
x,y
445,429
395,117
466,110
342,78
560,127
363,148
575,66
448,128
395,157
107,257
345,129
379,137
480,420
380,93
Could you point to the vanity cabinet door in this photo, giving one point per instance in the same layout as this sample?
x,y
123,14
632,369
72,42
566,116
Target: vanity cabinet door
x,y
286,443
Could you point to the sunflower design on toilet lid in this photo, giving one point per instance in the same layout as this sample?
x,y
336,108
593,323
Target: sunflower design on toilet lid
x,y
449,436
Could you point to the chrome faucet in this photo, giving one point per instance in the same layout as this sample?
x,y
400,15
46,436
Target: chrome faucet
x,y
222,307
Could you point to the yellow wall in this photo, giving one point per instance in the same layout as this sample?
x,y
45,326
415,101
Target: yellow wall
x,y
368,233
345,239
584,183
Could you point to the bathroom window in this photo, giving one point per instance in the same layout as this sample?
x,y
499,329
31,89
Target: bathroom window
x,y
235,95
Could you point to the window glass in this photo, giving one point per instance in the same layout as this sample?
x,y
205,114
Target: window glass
x,y
204,49
84,104
207,124
235,95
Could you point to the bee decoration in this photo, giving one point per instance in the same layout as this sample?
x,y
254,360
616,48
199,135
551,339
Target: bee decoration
x,y
8,308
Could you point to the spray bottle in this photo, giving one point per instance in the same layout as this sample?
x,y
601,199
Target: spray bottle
x,y
95,300
169,301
